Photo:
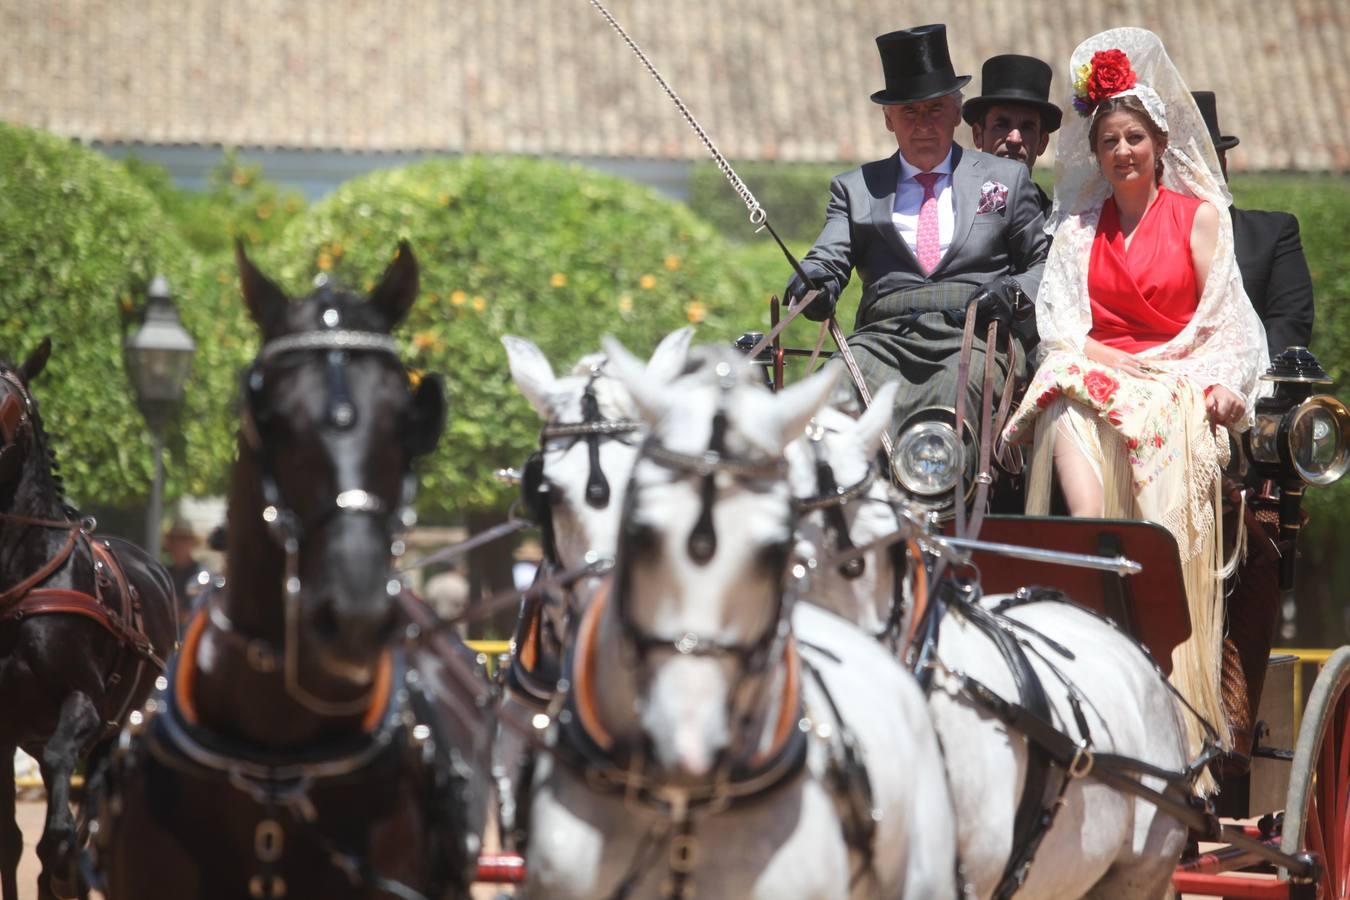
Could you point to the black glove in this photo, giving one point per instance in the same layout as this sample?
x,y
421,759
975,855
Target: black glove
x,y
1001,300
822,307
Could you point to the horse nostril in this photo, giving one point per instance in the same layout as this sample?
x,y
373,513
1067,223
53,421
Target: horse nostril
x,y
326,620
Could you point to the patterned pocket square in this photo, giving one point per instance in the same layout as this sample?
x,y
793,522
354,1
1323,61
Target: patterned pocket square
x,y
993,198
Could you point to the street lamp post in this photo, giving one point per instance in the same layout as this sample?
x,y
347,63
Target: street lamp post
x,y
158,356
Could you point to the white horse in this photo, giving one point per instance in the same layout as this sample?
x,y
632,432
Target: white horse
x,y
583,525
577,524
845,501
704,748
1103,843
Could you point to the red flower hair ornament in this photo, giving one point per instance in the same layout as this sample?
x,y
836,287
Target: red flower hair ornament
x,y
1108,74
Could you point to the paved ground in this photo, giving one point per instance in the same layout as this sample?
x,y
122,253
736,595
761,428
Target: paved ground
x,y
30,821
31,814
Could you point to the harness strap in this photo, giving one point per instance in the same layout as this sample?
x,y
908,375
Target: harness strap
x,y
185,676
1112,769
991,424
962,388
983,476
1032,818
788,708
919,567
185,669
583,672
17,592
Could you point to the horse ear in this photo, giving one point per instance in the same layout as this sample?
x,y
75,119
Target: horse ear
x,y
36,361
532,373
794,406
668,360
397,290
648,395
265,301
426,416
873,423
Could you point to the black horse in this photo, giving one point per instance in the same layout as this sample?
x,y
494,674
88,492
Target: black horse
x,y
300,750
85,624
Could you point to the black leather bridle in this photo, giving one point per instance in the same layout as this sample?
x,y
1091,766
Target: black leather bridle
x,y
830,501
753,656
285,526
593,429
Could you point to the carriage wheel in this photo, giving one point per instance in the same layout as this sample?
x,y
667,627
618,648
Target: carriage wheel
x,y
1317,814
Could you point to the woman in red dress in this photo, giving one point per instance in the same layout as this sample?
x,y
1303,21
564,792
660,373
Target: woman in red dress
x,y
1150,348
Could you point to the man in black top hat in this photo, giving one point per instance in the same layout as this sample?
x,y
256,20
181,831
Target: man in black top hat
x,y
1269,254
1014,117
926,229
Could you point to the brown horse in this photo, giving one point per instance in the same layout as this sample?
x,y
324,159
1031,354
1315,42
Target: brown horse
x,y
300,749
85,624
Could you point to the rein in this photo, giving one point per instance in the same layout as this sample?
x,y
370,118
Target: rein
x,y
51,566
760,219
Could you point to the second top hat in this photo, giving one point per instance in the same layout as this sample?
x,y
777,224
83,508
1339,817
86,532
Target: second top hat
x,y
1014,79
917,65
1209,112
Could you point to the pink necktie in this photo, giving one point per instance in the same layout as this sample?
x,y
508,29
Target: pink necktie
x,y
927,248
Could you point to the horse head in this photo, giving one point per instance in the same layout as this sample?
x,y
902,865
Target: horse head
x,y
574,484
331,425
18,413
705,539
845,502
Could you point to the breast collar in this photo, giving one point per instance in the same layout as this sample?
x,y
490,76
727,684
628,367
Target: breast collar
x,y
589,748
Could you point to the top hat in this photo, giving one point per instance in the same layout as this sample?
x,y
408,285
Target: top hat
x,y
1023,80
1208,109
917,66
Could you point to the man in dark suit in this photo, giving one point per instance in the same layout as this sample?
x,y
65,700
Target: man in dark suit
x,y
988,215
1014,117
1269,255
926,229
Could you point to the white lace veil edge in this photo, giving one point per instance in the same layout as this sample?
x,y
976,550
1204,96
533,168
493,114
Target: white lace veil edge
x,y
1225,342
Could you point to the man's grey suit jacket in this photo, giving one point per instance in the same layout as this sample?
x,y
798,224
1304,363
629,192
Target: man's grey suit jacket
x,y
860,234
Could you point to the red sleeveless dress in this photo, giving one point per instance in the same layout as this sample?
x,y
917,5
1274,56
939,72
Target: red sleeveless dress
x,y
1143,296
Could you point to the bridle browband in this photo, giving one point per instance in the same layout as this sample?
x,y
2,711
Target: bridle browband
x,y
285,527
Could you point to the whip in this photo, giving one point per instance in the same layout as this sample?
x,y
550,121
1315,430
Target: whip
x,y
759,218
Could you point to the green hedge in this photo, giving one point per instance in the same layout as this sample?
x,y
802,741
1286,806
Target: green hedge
x,y
79,240
558,254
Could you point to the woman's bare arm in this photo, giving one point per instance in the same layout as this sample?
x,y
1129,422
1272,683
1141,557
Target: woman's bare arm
x,y
1204,238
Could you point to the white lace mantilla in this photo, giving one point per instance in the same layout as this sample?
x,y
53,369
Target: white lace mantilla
x,y
1225,342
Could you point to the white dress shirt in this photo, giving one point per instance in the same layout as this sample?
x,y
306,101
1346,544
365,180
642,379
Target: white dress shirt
x,y
909,197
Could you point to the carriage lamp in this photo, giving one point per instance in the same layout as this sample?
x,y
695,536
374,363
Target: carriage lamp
x,y
158,357
1298,438
926,457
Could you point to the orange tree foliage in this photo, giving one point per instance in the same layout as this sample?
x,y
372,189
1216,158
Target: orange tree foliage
x,y
555,253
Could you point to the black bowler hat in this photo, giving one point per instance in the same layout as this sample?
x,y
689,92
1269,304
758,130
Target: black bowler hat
x,y
1209,110
917,66
1024,80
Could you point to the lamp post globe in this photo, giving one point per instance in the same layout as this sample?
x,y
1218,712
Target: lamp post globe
x,y
158,358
